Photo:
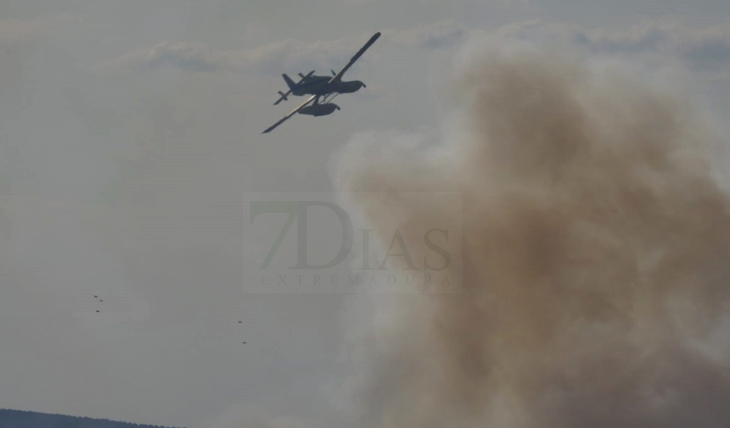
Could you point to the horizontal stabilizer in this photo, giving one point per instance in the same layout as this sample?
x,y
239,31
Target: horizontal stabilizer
x,y
283,97
304,77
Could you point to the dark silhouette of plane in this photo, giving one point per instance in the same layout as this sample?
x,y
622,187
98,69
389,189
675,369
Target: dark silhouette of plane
x,y
324,87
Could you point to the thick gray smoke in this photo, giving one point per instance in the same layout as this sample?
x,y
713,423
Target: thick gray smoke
x,y
595,264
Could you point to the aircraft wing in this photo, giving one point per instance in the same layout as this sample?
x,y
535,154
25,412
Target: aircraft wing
x,y
357,56
292,113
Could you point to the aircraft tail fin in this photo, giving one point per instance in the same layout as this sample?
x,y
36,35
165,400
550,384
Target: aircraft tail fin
x,y
290,83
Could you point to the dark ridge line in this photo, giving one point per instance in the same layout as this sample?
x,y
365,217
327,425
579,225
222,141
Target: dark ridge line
x,y
60,418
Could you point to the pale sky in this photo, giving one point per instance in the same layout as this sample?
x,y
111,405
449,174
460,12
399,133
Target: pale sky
x,y
131,132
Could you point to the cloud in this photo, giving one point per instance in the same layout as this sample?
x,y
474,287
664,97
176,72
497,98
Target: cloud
x,y
14,30
700,48
433,36
270,58
287,54
187,56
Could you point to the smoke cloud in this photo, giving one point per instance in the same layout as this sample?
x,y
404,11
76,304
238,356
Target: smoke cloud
x,y
593,277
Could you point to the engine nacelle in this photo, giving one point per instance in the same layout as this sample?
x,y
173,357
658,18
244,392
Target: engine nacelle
x,y
319,109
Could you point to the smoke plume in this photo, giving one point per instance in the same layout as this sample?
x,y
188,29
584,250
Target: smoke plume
x,y
593,273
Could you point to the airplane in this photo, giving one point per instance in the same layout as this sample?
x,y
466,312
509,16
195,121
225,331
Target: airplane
x,y
321,86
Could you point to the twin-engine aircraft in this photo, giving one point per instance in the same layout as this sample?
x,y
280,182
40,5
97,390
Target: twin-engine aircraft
x,y
321,86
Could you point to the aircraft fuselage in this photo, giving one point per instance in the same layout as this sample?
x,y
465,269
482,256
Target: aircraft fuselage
x,y
318,85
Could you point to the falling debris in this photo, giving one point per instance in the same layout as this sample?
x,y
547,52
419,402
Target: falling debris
x,y
96,296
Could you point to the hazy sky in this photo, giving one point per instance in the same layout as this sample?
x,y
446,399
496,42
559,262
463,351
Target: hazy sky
x,y
130,134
